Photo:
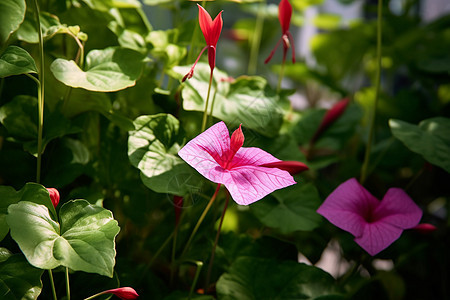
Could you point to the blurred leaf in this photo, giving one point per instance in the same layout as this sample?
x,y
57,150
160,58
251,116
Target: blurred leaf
x,y
16,61
107,70
83,242
128,38
18,279
430,139
171,54
254,278
12,13
50,25
30,192
153,148
248,99
291,209
327,21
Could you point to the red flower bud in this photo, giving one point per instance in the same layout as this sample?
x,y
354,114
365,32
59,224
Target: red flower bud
x,y
330,117
425,228
54,196
124,293
293,167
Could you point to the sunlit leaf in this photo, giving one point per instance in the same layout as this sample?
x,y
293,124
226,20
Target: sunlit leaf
x,y
83,241
430,138
107,70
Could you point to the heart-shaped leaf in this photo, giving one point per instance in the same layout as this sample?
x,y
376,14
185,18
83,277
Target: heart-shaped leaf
x,y
153,148
84,241
430,138
12,13
108,70
256,278
248,99
16,61
18,279
293,208
30,192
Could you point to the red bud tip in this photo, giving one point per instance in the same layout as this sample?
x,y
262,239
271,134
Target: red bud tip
x,y
284,15
54,196
293,167
124,293
425,228
331,116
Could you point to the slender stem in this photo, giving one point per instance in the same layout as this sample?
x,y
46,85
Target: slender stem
x,y
67,284
256,39
205,113
212,106
197,274
52,284
365,166
40,92
216,241
200,220
280,78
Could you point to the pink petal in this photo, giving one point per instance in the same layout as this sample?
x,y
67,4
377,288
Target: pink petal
x,y
378,236
284,15
398,209
348,206
251,156
216,29
248,184
205,152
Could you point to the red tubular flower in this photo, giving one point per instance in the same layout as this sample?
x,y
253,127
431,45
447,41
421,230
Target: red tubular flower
x,y
284,16
293,167
330,117
211,30
124,293
54,196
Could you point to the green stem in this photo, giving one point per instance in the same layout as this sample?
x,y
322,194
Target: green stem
x,y
216,241
256,39
52,284
212,106
365,166
205,113
200,220
67,284
199,265
280,78
40,93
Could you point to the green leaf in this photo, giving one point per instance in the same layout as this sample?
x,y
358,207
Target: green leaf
x,y
19,280
16,61
12,13
248,99
255,278
20,120
153,148
30,192
291,209
108,70
430,139
84,241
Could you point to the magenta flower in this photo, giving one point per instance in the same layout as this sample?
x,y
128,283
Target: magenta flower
x,y
54,196
374,224
284,16
223,160
211,30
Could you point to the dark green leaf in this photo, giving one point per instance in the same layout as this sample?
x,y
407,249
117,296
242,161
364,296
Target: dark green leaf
x,y
16,61
107,70
18,279
430,138
83,242
255,278
293,208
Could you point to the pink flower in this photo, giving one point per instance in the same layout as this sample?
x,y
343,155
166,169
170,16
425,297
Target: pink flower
x,y
211,30
374,224
125,293
284,16
223,160
54,196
